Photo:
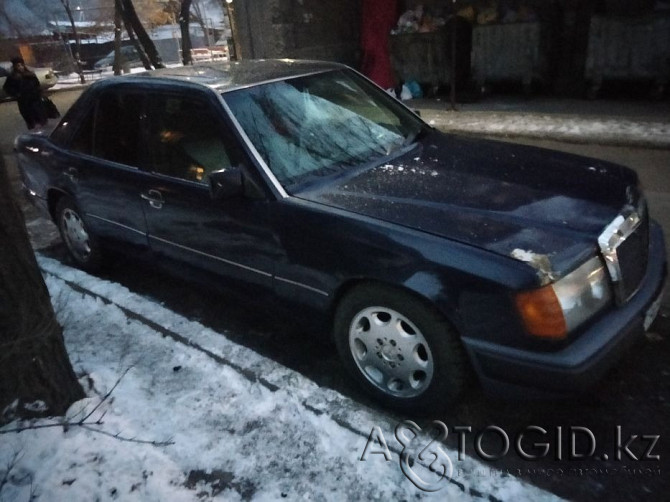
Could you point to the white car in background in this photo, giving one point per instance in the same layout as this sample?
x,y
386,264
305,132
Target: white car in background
x,y
46,77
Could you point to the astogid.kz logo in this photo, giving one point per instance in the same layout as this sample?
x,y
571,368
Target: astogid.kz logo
x,y
416,453
440,463
425,462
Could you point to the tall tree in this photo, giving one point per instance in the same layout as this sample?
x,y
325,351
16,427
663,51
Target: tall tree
x,y
77,41
130,18
36,377
117,37
133,39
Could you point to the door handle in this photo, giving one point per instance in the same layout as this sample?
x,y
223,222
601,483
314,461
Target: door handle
x,y
154,197
72,173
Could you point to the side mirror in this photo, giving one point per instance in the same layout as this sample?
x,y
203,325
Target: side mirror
x,y
226,183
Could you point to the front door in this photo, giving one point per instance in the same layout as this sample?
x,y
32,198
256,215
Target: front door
x,y
232,238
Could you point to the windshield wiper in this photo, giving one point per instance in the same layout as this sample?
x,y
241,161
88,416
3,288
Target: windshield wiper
x,y
410,139
415,136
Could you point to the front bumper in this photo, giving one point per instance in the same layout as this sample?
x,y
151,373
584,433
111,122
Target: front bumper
x,y
510,371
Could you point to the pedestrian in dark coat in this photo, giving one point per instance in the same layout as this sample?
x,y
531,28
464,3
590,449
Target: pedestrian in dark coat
x,y
24,85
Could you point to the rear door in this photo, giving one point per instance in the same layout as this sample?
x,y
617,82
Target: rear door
x,y
102,166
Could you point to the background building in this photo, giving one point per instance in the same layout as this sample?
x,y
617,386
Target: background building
x,y
565,47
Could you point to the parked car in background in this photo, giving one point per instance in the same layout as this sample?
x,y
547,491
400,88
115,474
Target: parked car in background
x,y
129,57
434,258
46,76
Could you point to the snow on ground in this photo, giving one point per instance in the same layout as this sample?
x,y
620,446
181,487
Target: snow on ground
x,y
239,426
574,128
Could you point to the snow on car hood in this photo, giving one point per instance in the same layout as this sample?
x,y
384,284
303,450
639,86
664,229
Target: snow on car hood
x,y
493,195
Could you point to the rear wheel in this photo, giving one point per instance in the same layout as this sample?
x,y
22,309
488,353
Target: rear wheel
x,y
81,244
402,351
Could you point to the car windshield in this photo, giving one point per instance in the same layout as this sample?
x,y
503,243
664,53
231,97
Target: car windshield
x,y
321,124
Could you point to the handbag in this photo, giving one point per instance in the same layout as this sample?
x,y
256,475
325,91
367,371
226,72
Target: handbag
x,y
50,108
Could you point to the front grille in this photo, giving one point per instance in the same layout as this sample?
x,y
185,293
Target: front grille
x,y
633,254
625,247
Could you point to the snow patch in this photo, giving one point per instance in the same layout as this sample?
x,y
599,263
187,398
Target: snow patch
x,y
203,420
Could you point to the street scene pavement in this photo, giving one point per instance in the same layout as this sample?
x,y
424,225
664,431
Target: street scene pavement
x,y
633,399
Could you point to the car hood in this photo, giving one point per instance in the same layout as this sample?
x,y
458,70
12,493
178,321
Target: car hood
x,y
524,202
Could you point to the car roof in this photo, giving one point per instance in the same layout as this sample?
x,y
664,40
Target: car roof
x,y
230,75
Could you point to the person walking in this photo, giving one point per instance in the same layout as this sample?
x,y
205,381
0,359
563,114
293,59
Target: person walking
x,y
24,85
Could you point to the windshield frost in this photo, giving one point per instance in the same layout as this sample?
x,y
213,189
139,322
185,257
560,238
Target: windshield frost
x,y
321,124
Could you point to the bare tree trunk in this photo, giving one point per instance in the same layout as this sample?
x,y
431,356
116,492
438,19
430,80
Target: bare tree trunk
x,y
130,17
117,38
131,35
36,377
184,18
77,41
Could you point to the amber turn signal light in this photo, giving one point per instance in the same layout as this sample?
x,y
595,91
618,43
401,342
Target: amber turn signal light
x,y
542,313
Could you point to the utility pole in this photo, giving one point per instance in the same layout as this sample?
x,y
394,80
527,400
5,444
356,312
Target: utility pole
x,y
452,90
230,11
184,19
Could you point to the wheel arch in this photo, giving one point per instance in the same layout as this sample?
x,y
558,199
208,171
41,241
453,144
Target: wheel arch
x,y
347,287
451,368
54,196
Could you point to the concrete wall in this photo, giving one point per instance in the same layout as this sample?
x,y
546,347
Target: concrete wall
x,y
301,29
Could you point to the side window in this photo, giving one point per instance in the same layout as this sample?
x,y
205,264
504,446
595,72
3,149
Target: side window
x,y
117,134
82,141
185,138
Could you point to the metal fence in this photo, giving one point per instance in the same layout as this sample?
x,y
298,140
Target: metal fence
x,y
508,52
632,48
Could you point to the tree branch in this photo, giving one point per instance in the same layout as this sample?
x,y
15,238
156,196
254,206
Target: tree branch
x,y
129,440
10,466
84,424
106,396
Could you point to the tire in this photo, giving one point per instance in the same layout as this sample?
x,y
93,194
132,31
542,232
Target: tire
x,y
82,246
400,350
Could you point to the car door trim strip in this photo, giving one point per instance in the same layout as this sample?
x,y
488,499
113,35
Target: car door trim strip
x,y
117,224
236,264
289,281
229,262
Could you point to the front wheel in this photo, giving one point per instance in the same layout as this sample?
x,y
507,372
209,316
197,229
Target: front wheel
x,y
81,244
402,351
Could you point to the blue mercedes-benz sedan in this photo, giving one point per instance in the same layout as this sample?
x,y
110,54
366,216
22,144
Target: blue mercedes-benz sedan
x,y
437,260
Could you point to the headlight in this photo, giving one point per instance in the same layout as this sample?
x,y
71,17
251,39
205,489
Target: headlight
x,y
555,310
